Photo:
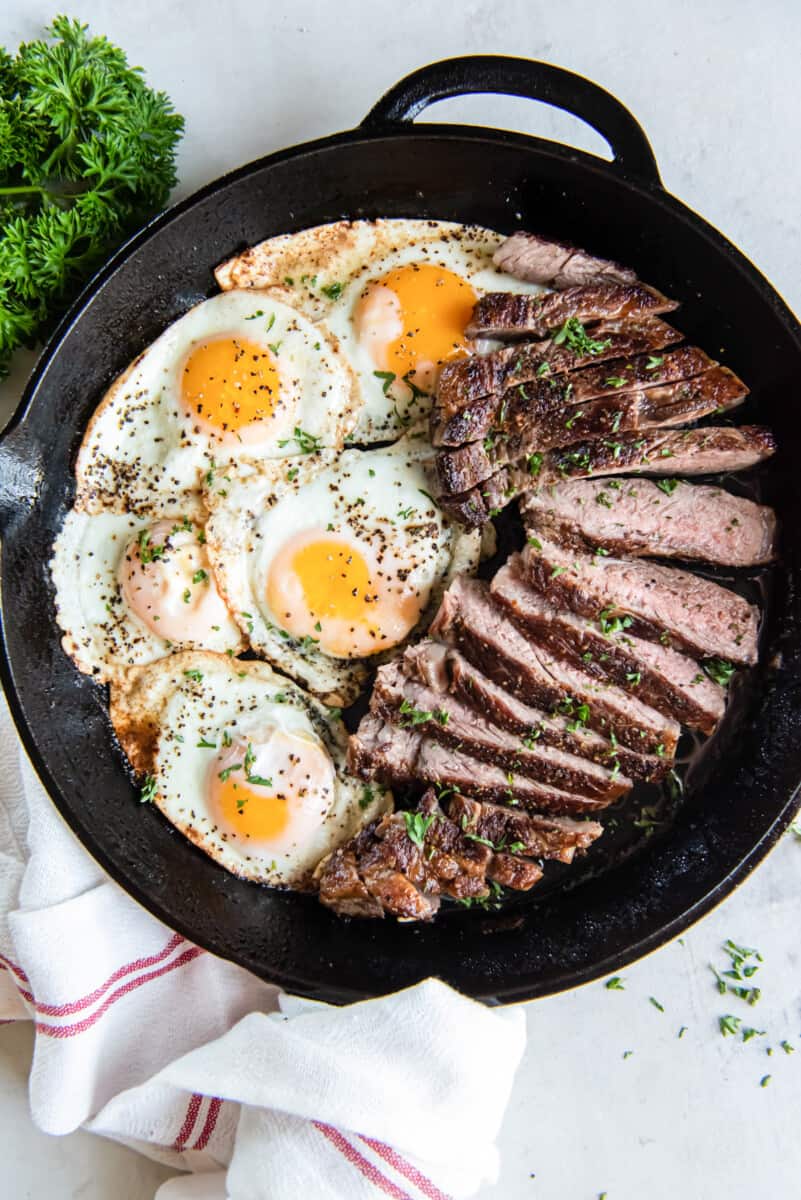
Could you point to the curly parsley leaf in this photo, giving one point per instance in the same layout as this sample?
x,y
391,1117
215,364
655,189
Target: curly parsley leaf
x,y
87,156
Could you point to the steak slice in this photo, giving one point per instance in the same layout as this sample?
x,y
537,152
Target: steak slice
x,y
470,621
558,838
550,424
705,451
657,674
404,700
389,754
511,315
469,390
382,869
656,602
446,670
639,517
537,259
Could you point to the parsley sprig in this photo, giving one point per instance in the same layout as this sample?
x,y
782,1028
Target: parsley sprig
x,y
87,155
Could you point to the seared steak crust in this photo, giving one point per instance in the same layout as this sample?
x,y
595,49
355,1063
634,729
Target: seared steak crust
x,y
548,422
669,681
470,390
537,259
470,621
405,701
392,755
705,451
509,315
386,870
446,670
637,517
657,602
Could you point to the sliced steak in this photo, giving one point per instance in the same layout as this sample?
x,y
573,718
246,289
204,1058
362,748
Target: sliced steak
x,y
657,674
521,832
705,451
403,756
473,623
537,259
554,424
404,700
446,670
469,391
383,869
511,315
639,517
656,602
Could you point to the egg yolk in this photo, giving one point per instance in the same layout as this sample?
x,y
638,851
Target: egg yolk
x,y
166,579
324,588
413,319
229,383
274,787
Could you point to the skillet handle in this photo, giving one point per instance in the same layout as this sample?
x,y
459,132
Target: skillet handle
x,y
521,77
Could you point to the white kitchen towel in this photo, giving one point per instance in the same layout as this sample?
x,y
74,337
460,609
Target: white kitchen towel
x,y
147,1039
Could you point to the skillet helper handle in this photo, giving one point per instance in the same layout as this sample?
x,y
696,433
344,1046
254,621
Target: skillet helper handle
x,y
521,77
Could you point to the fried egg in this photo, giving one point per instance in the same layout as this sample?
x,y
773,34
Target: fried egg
x,y
240,376
243,763
332,562
129,591
397,294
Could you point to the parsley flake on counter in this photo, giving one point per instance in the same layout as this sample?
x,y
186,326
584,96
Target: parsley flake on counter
x,y
615,984
656,1003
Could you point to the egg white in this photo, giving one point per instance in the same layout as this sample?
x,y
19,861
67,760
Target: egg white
x,y
171,716
324,271
102,634
369,497
143,452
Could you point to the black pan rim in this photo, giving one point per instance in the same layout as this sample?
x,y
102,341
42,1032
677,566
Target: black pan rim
x,y
521,989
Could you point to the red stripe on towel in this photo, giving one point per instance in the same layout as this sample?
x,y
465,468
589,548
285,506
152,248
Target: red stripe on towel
x,y
210,1122
407,1169
65,1031
66,1010
192,1109
358,1160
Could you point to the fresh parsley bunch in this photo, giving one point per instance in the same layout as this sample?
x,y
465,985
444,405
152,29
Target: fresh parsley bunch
x,y
87,155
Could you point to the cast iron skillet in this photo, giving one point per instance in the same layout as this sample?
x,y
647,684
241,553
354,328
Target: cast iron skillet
x,y
743,795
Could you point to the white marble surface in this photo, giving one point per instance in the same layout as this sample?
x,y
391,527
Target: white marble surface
x,y
716,86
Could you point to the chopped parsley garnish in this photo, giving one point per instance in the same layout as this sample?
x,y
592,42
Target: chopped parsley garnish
x,y
534,464
543,370
204,745
668,486
275,347
226,773
570,422
634,678
576,338
258,313
292,474
615,381
417,826
332,290
406,513
148,790
270,323
719,670
534,541
419,716
367,797
603,499
610,623
195,675
654,361
200,576
307,442
558,571
388,378
148,553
